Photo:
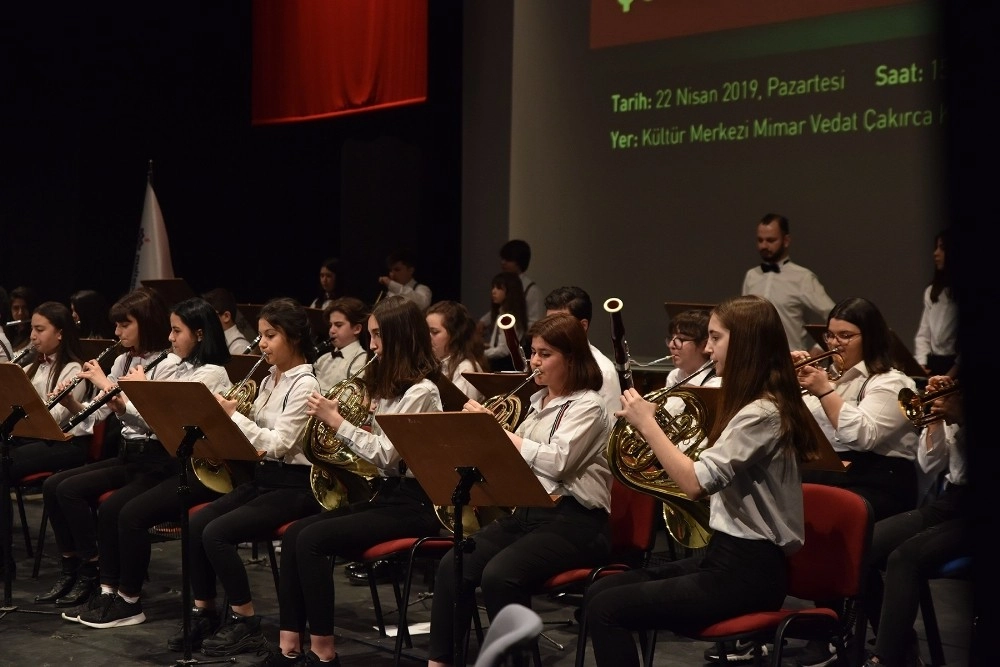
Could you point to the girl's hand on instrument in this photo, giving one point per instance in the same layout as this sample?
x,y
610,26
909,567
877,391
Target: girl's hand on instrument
x,y
473,406
228,405
91,370
636,410
814,380
325,409
118,404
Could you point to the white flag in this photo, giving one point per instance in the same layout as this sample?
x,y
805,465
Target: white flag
x,y
152,253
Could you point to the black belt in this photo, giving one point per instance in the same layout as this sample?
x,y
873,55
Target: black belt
x,y
142,448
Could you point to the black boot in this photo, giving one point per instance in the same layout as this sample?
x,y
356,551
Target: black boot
x,y
87,584
64,583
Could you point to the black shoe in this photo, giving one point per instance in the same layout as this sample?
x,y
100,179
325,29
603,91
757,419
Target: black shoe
x,y
357,573
204,623
241,634
741,651
817,654
95,602
85,587
118,614
64,583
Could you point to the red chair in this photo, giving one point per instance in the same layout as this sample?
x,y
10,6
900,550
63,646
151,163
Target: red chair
x,y
830,566
633,534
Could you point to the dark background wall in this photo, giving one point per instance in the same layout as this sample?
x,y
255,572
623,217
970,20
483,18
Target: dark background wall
x,y
96,91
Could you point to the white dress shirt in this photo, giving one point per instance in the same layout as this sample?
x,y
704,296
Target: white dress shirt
x,y
534,299
457,379
5,351
756,490
212,376
235,340
564,444
611,390
796,293
871,422
332,369
374,446
416,292
279,415
938,330
41,381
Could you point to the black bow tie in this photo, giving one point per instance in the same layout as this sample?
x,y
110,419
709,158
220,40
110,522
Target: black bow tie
x,y
337,353
768,266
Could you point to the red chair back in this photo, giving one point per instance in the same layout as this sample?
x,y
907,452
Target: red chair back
x,y
838,531
632,529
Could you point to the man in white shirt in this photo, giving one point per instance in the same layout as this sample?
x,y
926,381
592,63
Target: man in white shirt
x,y
794,290
515,255
400,279
575,301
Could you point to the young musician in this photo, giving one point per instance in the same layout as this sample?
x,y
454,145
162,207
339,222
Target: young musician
x,y
23,300
328,290
506,296
90,311
456,344
935,345
54,335
751,476
229,315
348,318
279,492
399,280
141,326
150,495
562,440
400,381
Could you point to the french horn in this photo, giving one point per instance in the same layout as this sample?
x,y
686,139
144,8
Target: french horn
x,y
333,462
219,475
634,463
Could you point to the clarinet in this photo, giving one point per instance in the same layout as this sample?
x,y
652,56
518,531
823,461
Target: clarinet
x,y
78,379
23,354
96,404
623,364
252,345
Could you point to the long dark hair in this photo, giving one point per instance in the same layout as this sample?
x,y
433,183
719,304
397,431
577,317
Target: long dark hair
x,y
92,309
150,313
513,302
759,365
464,341
290,317
198,315
876,339
941,281
407,356
69,346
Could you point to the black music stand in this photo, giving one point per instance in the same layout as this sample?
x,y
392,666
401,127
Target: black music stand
x,y
463,458
187,418
28,417
453,399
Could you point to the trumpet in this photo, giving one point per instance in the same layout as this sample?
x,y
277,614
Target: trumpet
x,y
831,370
23,354
97,403
917,407
506,324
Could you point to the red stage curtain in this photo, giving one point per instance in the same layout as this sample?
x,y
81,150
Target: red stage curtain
x,y
321,58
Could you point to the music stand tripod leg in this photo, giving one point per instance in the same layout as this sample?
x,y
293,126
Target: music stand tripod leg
x,y
6,435
184,452
460,498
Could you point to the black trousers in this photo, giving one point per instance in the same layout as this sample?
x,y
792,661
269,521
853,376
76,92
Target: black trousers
x,y
249,513
306,595
513,557
888,483
735,576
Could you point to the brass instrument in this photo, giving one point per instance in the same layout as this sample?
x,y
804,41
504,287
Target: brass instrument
x,y
831,370
327,453
507,407
917,407
23,354
506,324
218,475
97,403
633,462
52,402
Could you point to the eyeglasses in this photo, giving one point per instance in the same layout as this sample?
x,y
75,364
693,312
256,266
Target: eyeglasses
x,y
843,337
678,341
